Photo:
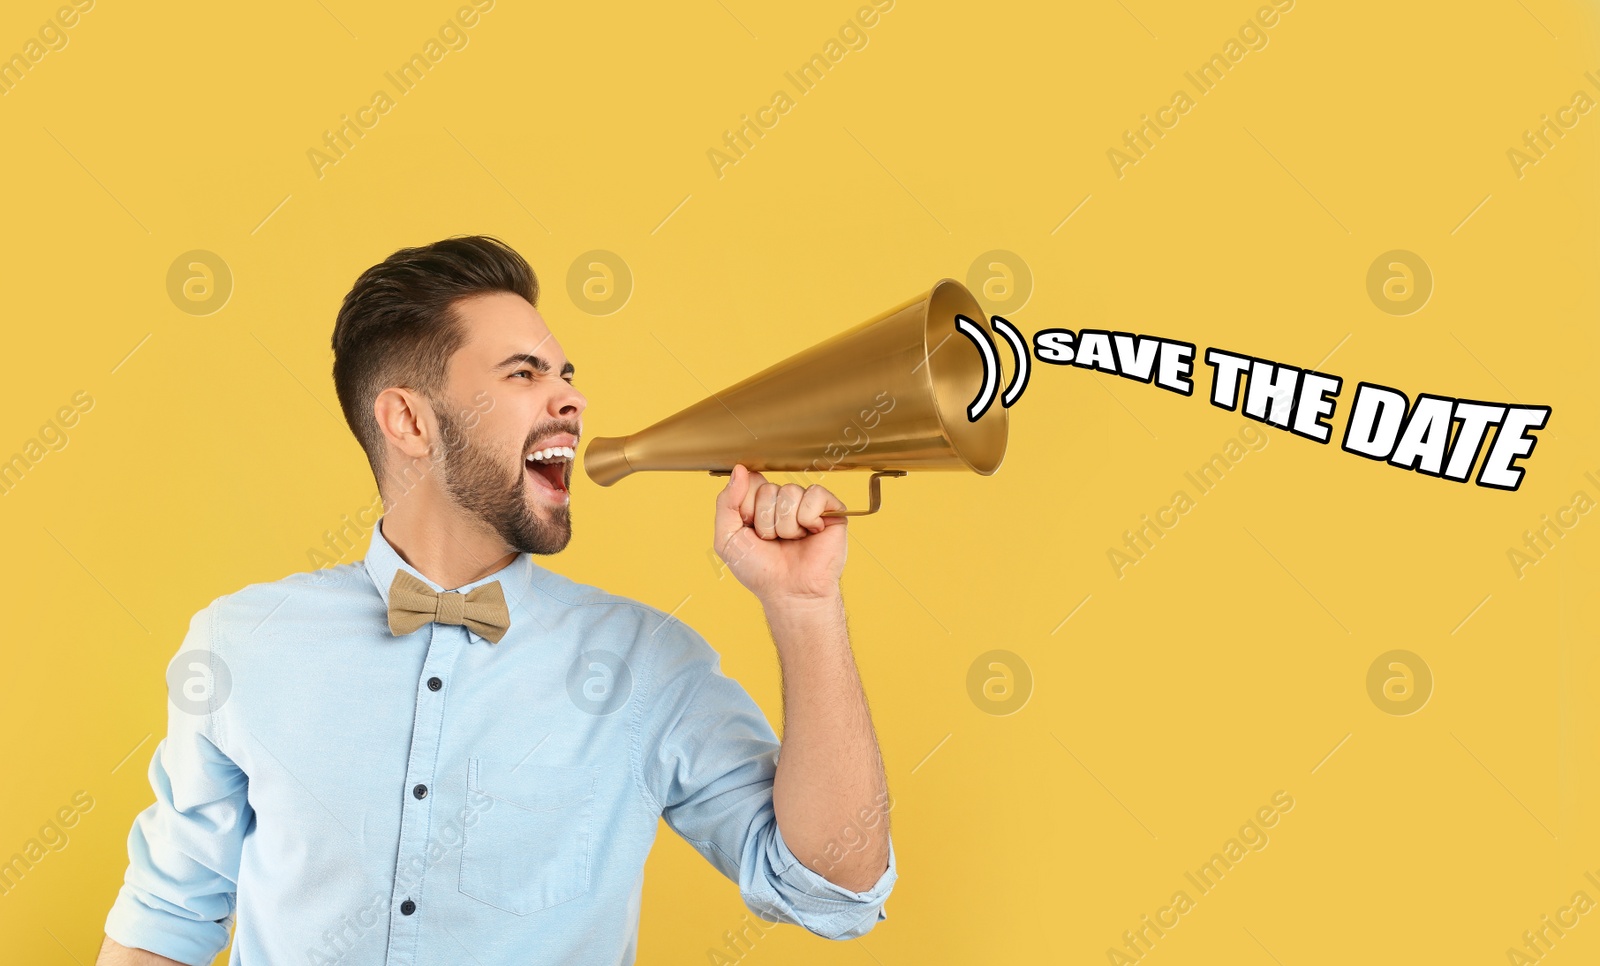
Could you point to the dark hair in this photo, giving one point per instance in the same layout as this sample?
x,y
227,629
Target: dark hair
x,y
399,326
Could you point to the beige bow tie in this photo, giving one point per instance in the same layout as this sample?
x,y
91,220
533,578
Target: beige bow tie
x,y
413,603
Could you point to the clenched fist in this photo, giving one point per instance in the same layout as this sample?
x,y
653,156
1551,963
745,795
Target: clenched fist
x,y
775,539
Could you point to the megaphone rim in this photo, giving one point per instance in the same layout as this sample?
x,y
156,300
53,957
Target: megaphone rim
x,y
995,412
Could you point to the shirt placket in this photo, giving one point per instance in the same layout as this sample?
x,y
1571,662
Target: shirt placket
x,y
411,860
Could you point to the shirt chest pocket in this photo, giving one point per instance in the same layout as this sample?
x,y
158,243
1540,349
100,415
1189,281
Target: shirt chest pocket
x,y
529,848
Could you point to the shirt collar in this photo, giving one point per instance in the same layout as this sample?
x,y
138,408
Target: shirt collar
x,y
516,578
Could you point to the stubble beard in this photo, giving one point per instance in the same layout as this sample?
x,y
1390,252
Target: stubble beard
x,y
477,481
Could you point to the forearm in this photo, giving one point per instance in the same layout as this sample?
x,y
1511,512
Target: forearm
x,y
830,794
113,953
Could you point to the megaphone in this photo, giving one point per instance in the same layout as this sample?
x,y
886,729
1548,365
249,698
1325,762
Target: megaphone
x,y
889,395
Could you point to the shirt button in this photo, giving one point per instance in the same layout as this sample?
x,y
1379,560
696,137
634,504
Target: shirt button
x,y
407,907
421,791
435,684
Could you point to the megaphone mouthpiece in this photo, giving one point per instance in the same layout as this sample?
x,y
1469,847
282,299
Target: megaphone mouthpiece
x,y
606,460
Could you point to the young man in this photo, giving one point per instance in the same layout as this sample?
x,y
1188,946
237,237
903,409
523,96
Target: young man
x,y
448,754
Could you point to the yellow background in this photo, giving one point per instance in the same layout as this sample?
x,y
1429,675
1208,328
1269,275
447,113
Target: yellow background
x,y
1225,666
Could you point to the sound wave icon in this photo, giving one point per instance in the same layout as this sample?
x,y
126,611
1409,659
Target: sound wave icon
x,y
991,364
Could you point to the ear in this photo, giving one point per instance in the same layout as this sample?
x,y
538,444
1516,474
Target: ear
x,y
406,420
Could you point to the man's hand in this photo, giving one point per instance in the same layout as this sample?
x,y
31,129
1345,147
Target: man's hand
x,y
776,541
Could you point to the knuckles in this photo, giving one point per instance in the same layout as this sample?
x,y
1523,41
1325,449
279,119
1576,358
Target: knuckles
x,y
774,509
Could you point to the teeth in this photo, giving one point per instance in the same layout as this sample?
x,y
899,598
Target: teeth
x,y
554,452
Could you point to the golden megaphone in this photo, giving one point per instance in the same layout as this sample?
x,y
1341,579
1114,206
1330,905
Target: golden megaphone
x,y
889,395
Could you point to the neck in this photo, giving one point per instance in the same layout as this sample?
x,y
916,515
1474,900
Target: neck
x,y
441,544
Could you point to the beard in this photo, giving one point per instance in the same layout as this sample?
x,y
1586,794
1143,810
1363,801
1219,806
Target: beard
x,y
479,483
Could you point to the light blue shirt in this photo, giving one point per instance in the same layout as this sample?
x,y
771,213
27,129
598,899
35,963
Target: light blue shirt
x,y
348,796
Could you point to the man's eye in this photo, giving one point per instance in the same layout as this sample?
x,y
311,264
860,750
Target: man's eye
x,y
524,372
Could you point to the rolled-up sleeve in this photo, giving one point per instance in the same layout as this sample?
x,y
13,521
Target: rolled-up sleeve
x,y
178,894
807,897
708,758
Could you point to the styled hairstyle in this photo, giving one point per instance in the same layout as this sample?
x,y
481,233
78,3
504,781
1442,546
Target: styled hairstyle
x,y
399,325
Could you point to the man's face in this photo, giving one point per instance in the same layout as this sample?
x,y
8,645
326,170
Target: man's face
x,y
512,371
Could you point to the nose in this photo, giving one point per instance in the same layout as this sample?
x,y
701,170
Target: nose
x,y
568,402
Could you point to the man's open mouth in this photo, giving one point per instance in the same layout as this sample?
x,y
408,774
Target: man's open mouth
x,y
551,468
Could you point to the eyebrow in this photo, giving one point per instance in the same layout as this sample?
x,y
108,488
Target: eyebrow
x,y
538,362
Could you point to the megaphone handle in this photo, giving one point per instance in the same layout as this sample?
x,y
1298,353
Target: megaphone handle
x,y
874,494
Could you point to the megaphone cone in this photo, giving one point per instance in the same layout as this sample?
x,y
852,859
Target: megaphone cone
x,y
889,395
